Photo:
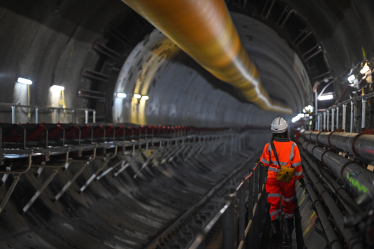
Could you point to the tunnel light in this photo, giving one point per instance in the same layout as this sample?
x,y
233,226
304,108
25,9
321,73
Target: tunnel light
x,y
351,78
24,81
145,97
121,95
137,96
365,69
308,108
298,117
57,88
326,97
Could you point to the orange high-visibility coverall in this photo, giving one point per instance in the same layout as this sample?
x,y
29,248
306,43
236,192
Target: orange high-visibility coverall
x,y
289,156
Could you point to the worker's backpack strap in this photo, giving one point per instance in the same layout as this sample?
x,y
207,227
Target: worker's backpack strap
x,y
275,153
285,174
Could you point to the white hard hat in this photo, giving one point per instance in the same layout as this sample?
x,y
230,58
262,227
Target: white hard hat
x,y
279,125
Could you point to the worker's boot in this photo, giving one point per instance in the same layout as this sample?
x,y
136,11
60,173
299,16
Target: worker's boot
x,y
275,227
289,226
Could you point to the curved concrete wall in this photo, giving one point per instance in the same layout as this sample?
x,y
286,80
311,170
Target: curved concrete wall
x,y
181,92
50,42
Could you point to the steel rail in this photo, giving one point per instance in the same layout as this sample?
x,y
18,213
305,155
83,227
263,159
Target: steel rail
x,y
107,158
236,217
365,96
17,177
55,109
353,102
199,241
11,153
46,183
205,31
155,243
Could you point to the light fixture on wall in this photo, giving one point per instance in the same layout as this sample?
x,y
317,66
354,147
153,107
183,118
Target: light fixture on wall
x,y
145,97
365,69
57,88
28,83
351,78
308,109
326,96
24,81
137,96
121,95
299,116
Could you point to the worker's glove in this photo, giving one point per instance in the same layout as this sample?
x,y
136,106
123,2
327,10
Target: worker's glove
x,y
302,182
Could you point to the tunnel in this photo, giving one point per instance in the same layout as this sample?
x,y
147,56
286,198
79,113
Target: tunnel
x,y
119,132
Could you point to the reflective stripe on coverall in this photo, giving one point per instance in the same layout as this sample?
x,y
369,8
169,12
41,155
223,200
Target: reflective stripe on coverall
x,y
289,156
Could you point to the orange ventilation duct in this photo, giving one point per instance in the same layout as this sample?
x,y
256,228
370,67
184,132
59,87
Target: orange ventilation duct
x,y
204,30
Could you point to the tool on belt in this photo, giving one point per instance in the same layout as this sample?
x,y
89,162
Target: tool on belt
x,y
285,174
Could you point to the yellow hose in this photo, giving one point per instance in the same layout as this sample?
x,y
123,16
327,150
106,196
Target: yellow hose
x,y
205,31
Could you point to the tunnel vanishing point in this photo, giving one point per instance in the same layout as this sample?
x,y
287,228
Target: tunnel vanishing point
x,y
139,123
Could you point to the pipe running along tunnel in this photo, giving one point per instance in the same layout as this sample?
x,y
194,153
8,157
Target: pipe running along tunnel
x,y
140,116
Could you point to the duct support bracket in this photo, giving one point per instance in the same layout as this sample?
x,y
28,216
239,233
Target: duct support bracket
x,y
363,132
313,149
329,150
343,167
324,130
328,138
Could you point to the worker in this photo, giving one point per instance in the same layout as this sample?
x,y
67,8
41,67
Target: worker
x,y
283,159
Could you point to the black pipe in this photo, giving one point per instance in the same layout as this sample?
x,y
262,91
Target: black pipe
x,y
351,237
349,204
354,143
327,227
357,177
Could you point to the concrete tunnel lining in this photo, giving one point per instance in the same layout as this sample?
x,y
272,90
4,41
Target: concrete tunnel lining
x,y
71,23
55,43
172,81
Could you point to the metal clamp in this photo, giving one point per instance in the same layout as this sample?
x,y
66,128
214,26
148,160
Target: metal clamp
x,y
328,138
324,154
343,167
363,132
310,135
324,130
313,149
